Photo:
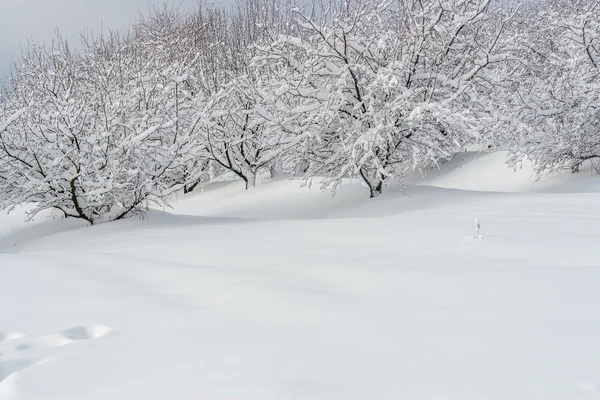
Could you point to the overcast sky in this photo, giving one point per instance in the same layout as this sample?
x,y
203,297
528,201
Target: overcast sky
x,y
21,20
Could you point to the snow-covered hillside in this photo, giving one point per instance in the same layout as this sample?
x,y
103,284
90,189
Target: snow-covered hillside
x,y
286,292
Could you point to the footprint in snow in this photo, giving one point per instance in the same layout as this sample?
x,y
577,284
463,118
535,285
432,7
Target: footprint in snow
x,y
16,350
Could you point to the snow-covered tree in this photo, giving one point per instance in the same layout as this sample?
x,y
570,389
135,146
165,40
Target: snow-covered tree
x,y
245,128
393,85
98,139
554,100
240,114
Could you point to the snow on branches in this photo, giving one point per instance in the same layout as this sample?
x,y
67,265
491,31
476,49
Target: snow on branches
x,y
555,100
357,89
390,85
97,135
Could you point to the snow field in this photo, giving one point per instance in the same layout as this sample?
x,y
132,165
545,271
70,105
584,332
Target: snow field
x,y
290,293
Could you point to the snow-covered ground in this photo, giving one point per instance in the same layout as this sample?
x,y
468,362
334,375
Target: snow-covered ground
x,y
289,293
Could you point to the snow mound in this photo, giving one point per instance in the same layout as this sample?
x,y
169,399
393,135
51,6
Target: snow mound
x,y
19,351
489,172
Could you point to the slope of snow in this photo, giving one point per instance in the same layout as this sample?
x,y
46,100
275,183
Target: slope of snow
x,y
288,293
17,226
481,171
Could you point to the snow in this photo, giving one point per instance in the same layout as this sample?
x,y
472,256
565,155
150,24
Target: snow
x,y
286,292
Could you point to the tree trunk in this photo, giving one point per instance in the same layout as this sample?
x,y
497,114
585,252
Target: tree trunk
x,y
75,202
374,183
273,171
301,169
190,188
377,189
250,179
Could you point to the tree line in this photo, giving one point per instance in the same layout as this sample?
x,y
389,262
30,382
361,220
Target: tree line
x,y
359,89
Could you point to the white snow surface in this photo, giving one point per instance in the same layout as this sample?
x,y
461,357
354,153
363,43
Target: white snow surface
x,y
286,292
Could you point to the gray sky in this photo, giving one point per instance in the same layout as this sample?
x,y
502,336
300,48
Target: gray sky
x,y
21,20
